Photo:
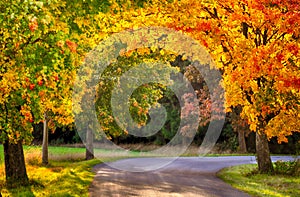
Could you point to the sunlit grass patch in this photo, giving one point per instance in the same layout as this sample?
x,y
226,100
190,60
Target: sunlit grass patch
x,y
62,177
57,179
241,177
67,174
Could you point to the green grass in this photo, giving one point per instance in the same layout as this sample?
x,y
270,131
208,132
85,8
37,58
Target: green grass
x,y
242,178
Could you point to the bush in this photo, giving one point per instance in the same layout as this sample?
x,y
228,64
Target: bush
x,y
228,139
291,168
58,141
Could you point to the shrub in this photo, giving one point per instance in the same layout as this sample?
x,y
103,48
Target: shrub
x,y
287,168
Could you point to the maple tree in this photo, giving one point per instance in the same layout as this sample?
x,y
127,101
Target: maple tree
x,y
255,45
259,57
38,64
122,18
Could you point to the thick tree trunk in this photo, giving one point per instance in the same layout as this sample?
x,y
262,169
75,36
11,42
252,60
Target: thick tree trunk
x,y
242,142
263,153
45,160
89,153
15,168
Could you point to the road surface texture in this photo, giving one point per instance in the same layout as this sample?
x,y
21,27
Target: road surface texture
x,y
186,176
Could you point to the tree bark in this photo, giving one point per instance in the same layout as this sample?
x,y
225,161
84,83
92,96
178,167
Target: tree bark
x,y
89,153
240,126
242,142
263,153
15,168
45,160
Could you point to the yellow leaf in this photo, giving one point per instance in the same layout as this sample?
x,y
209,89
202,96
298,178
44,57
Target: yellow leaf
x,y
162,52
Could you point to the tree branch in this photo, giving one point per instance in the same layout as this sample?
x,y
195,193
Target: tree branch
x,y
210,13
265,37
274,33
245,29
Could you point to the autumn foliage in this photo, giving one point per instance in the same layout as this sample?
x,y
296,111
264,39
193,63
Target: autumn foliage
x,y
255,45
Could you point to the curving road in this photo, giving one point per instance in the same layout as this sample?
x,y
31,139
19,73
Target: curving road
x,y
185,176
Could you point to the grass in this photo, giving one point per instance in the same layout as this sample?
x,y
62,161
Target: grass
x,y
58,179
243,178
68,174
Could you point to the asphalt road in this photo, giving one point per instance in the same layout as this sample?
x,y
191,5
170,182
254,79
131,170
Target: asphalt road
x,y
185,176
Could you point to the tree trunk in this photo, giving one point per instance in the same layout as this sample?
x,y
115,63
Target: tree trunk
x,y
242,142
297,171
263,153
45,160
89,153
15,168
240,126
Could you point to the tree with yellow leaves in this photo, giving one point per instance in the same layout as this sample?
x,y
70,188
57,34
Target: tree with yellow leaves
x,y
38,62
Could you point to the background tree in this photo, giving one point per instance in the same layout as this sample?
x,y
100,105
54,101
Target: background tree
x,y
240,126
120,18
77,17
142,99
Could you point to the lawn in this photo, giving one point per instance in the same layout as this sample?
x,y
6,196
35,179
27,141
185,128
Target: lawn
x,y
68,174
243,178
58,179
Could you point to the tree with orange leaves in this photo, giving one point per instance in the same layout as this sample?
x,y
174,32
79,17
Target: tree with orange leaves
x,y
260,60
256,46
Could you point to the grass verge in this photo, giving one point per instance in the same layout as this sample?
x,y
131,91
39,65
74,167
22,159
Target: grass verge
x,y
60,178
243,178
57,179
68,174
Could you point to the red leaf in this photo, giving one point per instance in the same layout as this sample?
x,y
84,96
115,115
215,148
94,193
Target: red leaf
x,y
71,45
